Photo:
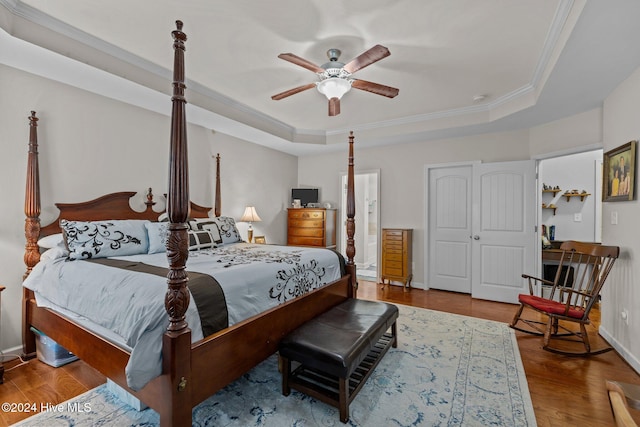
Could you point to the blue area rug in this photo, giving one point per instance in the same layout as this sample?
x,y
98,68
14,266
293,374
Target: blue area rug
x,y
448,370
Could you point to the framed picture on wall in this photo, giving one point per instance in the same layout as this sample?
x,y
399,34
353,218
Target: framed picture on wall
x,y
619,173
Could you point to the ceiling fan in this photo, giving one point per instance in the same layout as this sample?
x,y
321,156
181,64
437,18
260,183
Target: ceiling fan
x,y
336,77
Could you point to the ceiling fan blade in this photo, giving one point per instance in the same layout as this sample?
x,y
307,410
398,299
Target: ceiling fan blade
x,y
293,91
295,59
374,54
334,106
388,91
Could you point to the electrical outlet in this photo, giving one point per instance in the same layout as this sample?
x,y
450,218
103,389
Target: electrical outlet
x,y
625,315
614,218
577,217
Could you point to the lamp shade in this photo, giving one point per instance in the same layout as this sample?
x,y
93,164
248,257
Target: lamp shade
x,y
250,215
334,87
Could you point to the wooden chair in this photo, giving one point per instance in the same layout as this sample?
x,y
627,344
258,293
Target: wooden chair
x,y
621,397
581,273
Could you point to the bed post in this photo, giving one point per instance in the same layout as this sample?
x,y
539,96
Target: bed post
x,y
32,199
176,343
217,208
351,225
31,231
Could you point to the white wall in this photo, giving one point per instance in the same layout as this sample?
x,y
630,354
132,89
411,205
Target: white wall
x,y
572,172
91,145
401,175
621,125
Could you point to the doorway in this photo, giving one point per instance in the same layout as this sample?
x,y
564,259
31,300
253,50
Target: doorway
x,y
367,220
573,218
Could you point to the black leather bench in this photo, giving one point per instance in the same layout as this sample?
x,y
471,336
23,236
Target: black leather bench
x,y
333,354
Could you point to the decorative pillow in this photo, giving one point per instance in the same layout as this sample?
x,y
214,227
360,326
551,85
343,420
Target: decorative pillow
x,y
200,240
210,226
193,222
100,239
228,230
158,233
51,241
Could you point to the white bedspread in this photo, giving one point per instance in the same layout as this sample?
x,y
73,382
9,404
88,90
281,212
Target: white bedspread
x,y
253,277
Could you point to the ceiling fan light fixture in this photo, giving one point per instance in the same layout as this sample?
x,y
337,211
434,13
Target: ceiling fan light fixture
x,y
334,87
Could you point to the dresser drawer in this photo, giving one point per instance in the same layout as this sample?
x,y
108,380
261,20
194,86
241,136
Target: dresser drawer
x,y
394,272
392,244
306,223
399,257
306,214
304,241
399,264
307,232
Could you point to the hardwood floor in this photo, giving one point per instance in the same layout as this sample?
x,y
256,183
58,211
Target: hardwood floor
x,y
566,391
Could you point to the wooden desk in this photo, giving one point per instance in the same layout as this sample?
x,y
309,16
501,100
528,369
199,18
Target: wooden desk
x,y
554,253
551,255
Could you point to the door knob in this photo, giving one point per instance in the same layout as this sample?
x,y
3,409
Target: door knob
x,y
476,237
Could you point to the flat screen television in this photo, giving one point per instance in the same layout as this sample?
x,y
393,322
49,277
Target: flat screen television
x,y
305,195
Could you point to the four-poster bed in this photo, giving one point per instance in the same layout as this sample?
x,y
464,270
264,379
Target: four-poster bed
x,y
191,371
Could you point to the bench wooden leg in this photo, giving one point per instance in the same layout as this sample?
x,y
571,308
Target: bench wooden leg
x,y
394,334
285,364
344,399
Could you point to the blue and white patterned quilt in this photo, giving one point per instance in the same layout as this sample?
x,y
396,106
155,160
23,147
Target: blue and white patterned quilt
x,y
128,307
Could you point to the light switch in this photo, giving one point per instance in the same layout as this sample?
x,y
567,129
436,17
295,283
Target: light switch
x,y
577,217
614,218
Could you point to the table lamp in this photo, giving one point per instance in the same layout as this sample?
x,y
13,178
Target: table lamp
x,y
250,215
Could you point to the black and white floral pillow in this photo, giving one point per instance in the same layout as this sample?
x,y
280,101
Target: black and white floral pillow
x,y
100,239
227,228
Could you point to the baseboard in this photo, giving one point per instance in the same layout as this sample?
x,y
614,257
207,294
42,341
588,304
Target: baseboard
x,y
621,349
11,353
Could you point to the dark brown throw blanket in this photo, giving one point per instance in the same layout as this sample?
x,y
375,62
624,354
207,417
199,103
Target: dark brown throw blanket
x,y
207,293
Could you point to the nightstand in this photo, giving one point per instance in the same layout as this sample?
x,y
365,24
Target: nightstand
x,y
1,356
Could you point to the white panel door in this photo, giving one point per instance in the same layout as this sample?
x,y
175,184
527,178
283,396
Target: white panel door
x,y
449,218
504,237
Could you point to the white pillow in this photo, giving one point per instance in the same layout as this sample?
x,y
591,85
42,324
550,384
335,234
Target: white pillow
x,y
158,232
100,239
54,253
51,241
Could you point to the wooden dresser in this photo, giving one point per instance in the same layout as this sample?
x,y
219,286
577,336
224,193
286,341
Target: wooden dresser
x,y
311,227
396,256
